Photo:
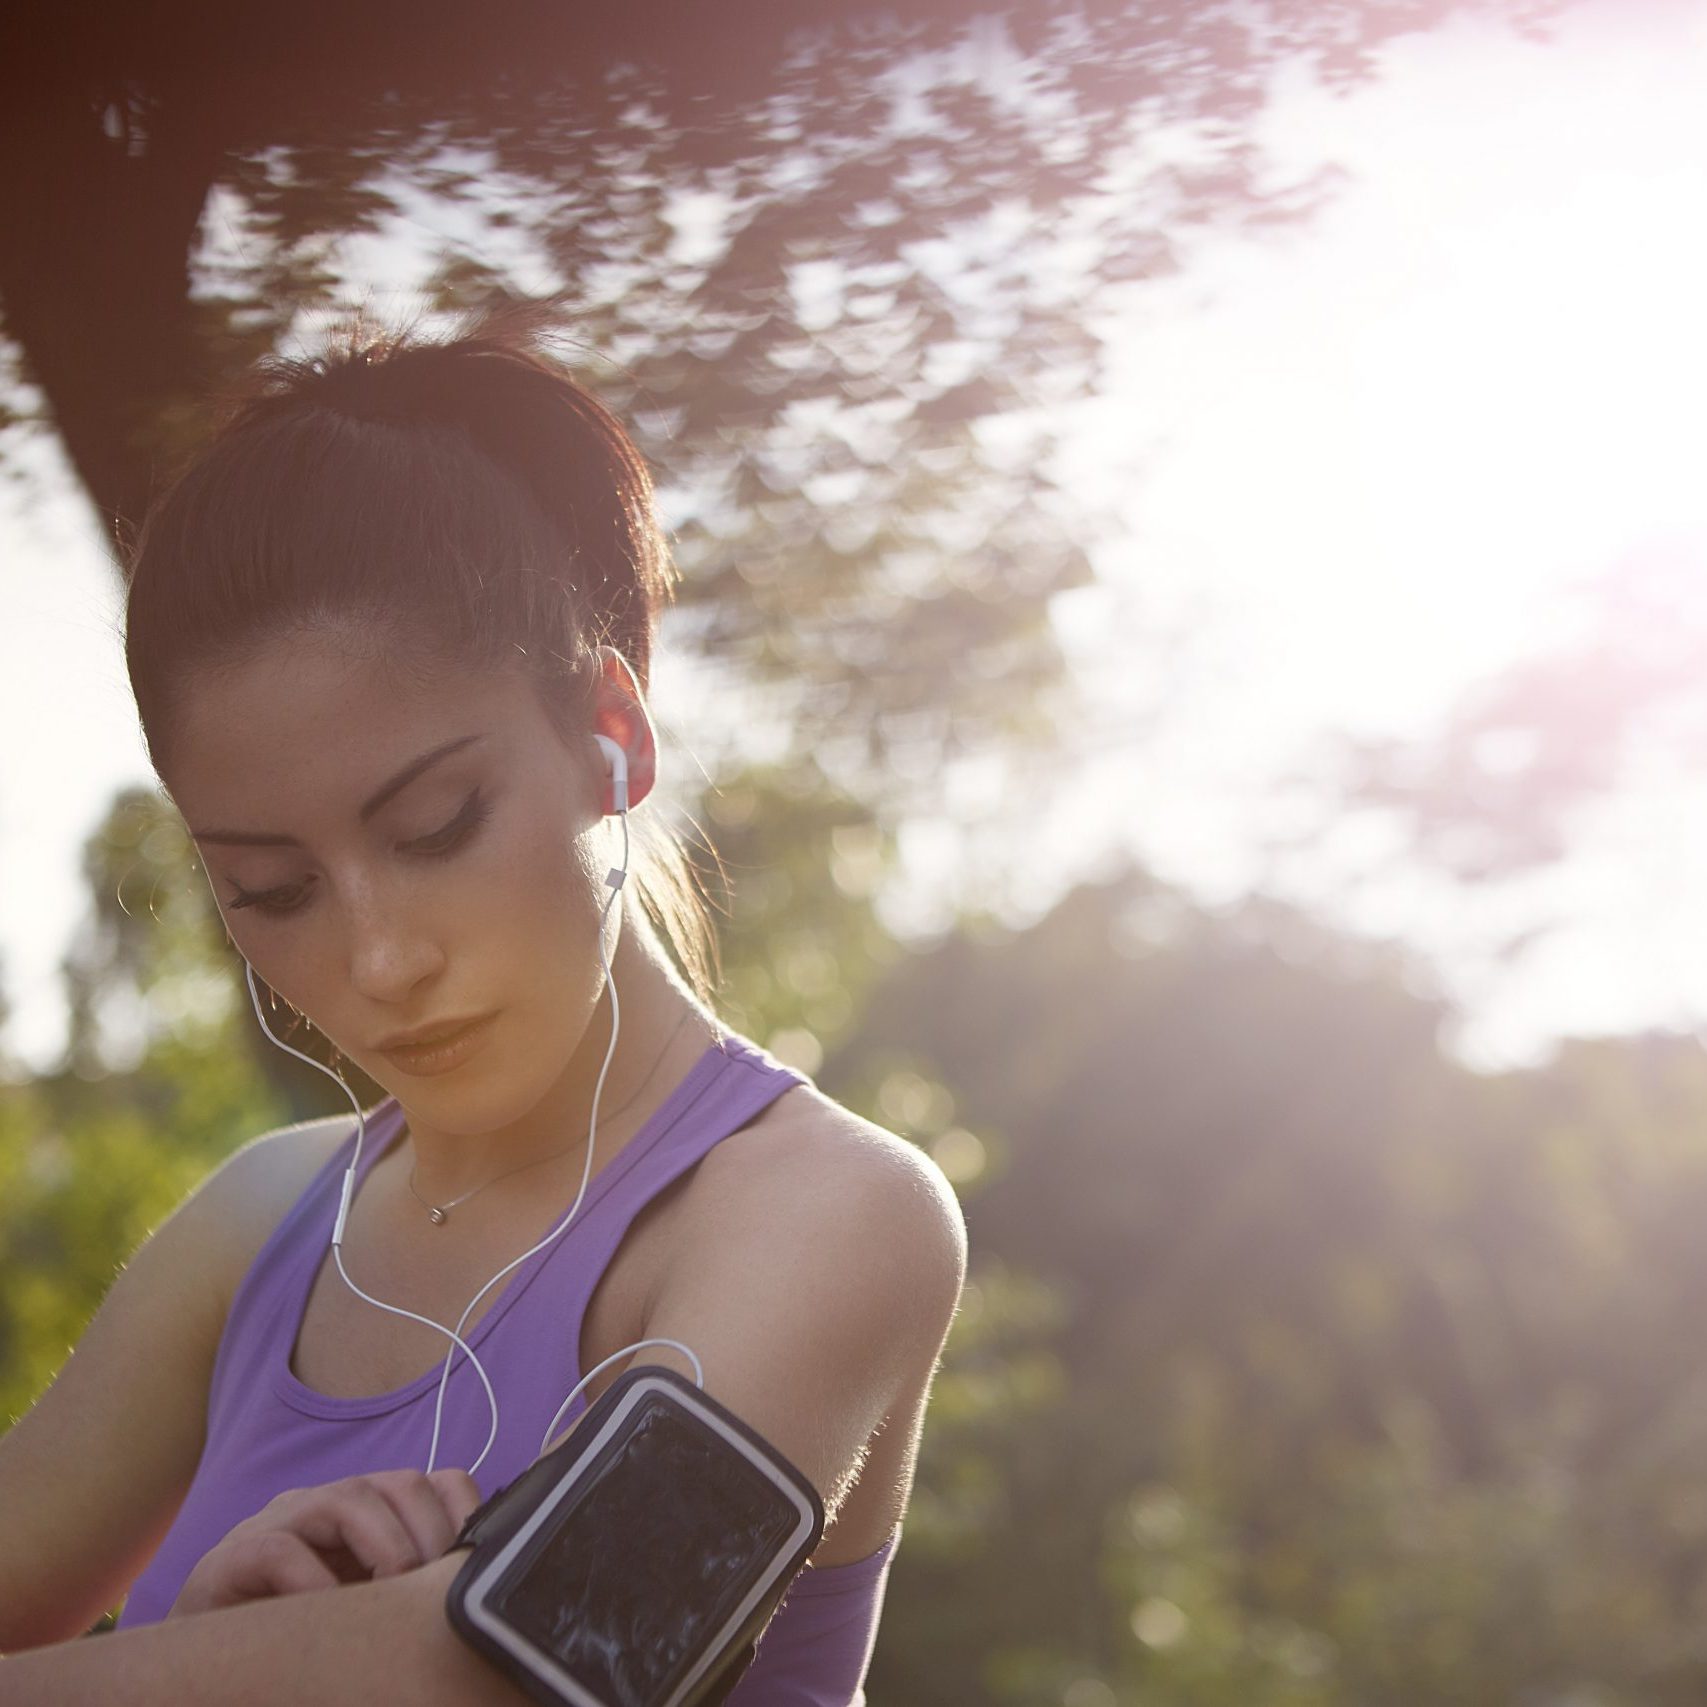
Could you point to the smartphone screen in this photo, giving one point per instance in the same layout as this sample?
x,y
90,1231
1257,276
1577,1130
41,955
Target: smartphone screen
x,y
647,1558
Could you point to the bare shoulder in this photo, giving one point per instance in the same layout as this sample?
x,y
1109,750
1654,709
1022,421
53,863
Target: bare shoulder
x,y
229,1216
283,1160
814,1171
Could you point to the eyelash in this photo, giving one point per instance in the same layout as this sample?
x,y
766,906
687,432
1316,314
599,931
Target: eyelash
x,y
439,844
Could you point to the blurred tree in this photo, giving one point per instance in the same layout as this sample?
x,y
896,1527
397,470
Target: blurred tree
x,y
155,1090
1363,1369
800,864
845,265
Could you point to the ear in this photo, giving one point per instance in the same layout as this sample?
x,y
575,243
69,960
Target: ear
x,y
619,711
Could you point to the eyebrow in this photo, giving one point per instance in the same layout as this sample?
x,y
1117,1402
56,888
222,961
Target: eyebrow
x,y
385,791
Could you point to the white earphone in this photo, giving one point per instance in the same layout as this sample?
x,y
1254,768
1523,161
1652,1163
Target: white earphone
x,y
617,760
616,763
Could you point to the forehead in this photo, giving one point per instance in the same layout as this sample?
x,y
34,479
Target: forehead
x,y
315,722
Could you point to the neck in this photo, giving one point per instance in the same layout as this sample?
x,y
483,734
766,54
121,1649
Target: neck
x,y
663,1032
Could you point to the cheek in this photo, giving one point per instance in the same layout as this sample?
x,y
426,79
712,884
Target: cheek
x,y
543,886
536,936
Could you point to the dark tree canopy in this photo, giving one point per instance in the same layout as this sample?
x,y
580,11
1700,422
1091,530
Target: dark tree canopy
x,y
847,266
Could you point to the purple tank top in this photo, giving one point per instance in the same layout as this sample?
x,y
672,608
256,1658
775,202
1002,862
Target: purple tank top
x,y
267,1432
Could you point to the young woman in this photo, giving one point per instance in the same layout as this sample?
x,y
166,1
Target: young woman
x,y
384,636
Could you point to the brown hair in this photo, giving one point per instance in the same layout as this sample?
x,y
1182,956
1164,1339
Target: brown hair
x,y
466,497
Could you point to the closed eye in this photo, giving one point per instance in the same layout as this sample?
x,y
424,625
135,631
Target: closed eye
x,y
437,845
476,809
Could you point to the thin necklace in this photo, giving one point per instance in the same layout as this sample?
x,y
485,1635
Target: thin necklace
x,y
439,1213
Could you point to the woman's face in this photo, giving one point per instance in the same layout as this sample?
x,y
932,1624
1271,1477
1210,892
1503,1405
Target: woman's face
x,y
394,851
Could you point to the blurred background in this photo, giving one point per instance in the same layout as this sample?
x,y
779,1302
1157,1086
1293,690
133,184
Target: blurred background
x,y
1191,653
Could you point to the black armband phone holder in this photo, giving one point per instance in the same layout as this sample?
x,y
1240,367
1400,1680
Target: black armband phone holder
x,y
636,1563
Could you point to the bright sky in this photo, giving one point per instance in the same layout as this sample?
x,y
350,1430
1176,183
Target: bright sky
x,y
1365,465
1378,459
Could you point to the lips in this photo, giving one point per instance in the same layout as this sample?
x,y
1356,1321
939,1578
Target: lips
x,y
442,1052
428,1036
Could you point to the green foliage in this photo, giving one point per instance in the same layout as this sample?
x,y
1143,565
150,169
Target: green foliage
x,y
159,1085
801,862
1366,1376
87,1178
149,951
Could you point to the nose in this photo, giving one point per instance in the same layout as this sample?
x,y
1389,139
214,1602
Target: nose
x,y
393,955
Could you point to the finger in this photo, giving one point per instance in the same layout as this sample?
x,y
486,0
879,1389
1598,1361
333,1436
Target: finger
x,y
432,1506
345,1566
270,1564
358,1516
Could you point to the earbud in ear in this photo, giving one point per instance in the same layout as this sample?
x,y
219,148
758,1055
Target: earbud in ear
x,y
616,762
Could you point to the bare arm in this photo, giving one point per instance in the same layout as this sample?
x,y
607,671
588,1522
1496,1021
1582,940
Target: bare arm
x,y
362,1643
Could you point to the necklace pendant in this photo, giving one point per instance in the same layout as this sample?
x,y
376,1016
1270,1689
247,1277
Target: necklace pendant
x,y
436,1216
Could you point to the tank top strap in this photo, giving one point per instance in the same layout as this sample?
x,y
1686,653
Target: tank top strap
x,y
736,1081
750,1081
746,1081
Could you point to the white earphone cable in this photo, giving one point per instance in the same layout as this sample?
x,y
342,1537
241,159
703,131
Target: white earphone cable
x,y
347,1190
605,1363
